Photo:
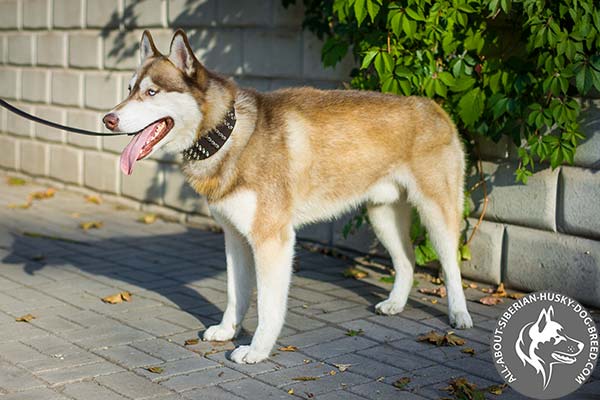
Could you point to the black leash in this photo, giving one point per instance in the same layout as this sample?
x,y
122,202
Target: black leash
x,y
39,120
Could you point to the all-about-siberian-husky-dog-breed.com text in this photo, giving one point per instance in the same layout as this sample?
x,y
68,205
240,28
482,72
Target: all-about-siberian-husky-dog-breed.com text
x,y
269,163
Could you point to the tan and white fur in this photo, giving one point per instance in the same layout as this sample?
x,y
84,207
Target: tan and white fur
x,y
298,156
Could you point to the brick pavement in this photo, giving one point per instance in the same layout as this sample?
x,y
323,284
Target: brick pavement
x,y
81,348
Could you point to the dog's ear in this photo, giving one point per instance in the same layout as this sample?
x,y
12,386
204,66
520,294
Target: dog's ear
x,y
182,55
147,47
544,318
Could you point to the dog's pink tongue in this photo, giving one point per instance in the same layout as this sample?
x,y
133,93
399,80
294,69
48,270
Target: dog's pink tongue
x,y
132,151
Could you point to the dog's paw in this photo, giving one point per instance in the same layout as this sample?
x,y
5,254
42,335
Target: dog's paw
x,y
219,333
246,355
461,320
389,307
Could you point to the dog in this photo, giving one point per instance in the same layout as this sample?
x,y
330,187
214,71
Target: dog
x,y
268,163
542,344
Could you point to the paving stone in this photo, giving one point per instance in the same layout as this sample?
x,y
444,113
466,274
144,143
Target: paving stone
x,y
364,366
163,349
210,393
90,391
389,355
380,391
72,374
35,394
250,389
128,356
132,385
13,378
210,377
60,362
179,367
337,347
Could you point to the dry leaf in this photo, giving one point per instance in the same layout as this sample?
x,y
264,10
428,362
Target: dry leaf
x,y
288,348
25,318
147,219
91,225
342,367
23,206
516,296
436,281
46,194
463,389
291,391
93,199
156,370
305,378
490,300
402,382
473,285
449,339
434,301
14,181
117,298
496,389
332,372
468,350
500,291
355,273
191,342
439,292
487,290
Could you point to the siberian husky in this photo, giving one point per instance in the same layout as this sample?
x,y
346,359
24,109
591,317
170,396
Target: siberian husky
x,y
270,162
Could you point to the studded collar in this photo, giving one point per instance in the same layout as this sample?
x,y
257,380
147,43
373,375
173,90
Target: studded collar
x,y
208,144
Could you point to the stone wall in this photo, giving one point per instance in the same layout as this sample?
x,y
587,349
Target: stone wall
x,y
70,60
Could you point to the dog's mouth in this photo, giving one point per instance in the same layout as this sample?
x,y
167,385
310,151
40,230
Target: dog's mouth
x,y
563,358
143,143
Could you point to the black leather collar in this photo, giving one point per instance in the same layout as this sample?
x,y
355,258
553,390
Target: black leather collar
x,y
208,144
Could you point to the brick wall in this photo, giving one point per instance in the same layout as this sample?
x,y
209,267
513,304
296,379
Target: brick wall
x,y
70,60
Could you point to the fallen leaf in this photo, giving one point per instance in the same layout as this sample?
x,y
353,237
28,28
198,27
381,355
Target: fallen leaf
x,y
26,318
439,291
352,332
305,378
220,374
23,206
288,348
473,285
355,273
500,291
402,382
491,300
437,281
91,225
306,361
449,339
117,298
496,389
463,389
487,290
342,367
75,215
93,199
387,279
42,195
14,181
147,219
156,370
291,391
312,395
191,342
468,350
433,301
332,372
380,379
516,296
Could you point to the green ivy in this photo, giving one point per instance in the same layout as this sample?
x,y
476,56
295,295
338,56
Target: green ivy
x,y
501,68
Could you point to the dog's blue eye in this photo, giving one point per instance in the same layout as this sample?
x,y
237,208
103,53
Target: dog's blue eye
x,y
151,92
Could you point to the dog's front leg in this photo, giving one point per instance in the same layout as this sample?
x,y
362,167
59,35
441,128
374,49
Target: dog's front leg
x,y
273,260
240,281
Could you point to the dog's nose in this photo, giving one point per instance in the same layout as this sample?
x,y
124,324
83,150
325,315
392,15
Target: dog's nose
x,y
111,121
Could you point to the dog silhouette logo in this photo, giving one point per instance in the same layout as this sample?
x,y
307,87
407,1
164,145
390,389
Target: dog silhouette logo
x,y
542,344
545,345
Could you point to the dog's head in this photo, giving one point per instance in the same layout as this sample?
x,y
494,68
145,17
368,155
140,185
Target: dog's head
x,y
166,95
544,343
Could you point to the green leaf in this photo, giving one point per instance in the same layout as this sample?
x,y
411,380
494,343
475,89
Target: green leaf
x,y
333,51
373,7
465,252
384,63
470,106
360,10
462,84
368,58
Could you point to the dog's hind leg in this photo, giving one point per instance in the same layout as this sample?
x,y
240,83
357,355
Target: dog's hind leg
x,y
391,224
240,281
273,259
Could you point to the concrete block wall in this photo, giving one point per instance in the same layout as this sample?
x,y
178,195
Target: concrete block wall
x,y
70,61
